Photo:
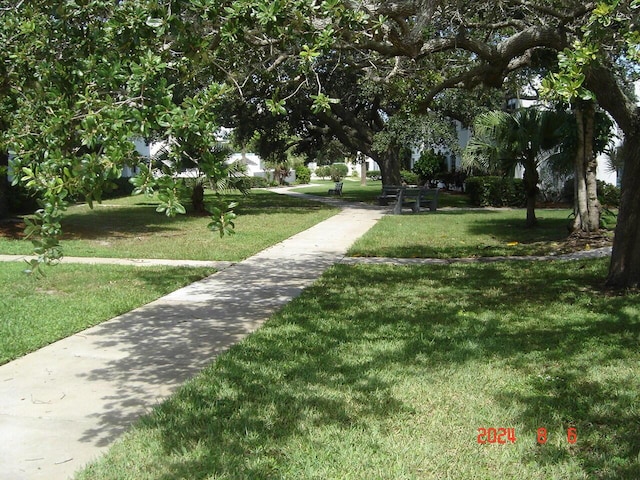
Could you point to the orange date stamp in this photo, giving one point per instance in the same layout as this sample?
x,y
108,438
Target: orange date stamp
x,y
502,436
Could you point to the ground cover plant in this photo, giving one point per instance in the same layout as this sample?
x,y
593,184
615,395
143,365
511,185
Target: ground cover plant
x,y
352,191
130,227
465,233
39,310
390,372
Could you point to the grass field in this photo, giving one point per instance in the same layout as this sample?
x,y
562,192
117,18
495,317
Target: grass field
x,y
390,372
129,227
464,233
375,371
38,310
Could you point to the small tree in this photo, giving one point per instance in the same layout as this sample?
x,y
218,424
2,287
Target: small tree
x,y
303,174
501,141
428,165
338,171
323,171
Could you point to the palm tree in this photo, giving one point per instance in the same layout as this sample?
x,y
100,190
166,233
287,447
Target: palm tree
x,y
205,166
501,141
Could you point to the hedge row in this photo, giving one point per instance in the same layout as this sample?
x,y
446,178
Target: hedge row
x,y
496,191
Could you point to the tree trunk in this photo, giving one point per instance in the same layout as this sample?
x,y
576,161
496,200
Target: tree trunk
x,y
586,206
4,185
624,269
531,179
197,198
390,167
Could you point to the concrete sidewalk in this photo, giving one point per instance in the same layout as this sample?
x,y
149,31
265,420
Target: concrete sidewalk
x,y
63,405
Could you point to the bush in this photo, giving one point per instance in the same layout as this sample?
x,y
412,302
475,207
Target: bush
x,y
408,177
20,200
374,174
429,164
338,171
496,192
453,179
608,195
323,171
123,187
303,174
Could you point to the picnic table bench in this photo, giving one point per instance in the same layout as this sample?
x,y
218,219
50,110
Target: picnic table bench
x,y
409,197
336,190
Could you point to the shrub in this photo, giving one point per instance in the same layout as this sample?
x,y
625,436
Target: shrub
x,y
374,174
429,164
122,187
453,179
323,171
496,191
338,171
608,195
409,177
303,174
257,182
20,201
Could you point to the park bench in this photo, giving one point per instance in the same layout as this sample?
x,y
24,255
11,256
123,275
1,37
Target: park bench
x,y
336,190
415,198
389,194
409,197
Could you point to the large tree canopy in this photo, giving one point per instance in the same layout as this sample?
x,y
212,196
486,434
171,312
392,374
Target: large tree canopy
x,y
364,113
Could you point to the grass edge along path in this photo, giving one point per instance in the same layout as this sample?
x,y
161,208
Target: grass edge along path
x,y
37,311
391,372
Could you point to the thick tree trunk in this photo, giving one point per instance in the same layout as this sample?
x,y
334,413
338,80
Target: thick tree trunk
x,y
197,198
4,185
624,270
531,179
586,206
389,167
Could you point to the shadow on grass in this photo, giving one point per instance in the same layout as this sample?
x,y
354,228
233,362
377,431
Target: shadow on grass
x,y
76,297
118,222
464,233
551,227
264,203
142,219
324,361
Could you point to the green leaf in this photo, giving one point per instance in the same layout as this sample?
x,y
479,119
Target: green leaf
x,y
322,103
154,22
276,107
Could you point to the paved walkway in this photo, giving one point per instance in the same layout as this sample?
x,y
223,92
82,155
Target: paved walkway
x,y
63,405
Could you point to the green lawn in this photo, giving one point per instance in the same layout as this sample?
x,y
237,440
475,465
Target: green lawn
x,y
75,297
380,372
464,233
130,227
38,310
